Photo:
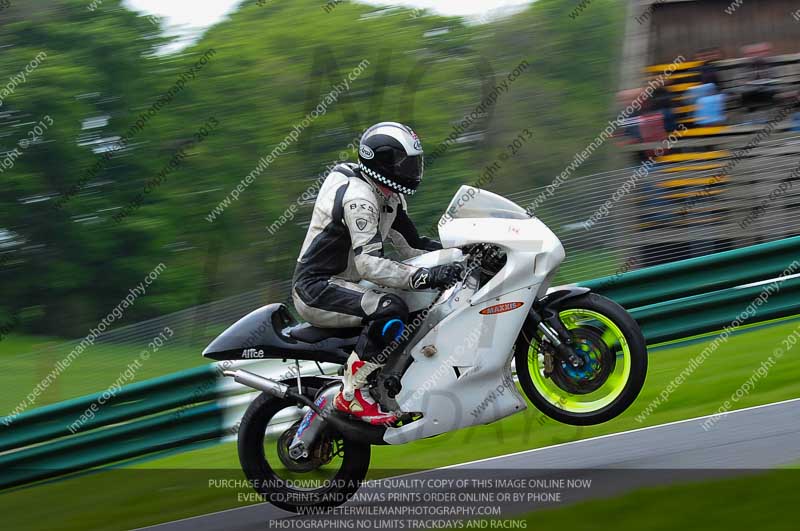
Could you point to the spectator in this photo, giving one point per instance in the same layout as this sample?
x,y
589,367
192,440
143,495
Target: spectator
x,y
760,87
709,102
708,71
661,103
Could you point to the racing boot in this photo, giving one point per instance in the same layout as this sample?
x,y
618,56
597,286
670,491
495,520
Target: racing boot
x,y
354,399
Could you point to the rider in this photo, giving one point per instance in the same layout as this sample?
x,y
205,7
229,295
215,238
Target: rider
x,y
358,207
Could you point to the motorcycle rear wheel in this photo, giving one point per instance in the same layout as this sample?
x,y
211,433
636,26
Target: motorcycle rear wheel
x,y
328,478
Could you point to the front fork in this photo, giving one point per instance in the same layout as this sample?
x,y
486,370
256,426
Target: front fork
x,y
554,331
545,315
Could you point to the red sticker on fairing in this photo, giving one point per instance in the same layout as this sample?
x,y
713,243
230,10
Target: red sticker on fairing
x,y
502,308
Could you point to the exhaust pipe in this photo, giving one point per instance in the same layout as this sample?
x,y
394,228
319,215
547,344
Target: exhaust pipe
x,y
271,387
260,383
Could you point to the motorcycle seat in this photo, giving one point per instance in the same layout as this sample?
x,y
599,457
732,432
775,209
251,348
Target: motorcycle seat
x,y
308,333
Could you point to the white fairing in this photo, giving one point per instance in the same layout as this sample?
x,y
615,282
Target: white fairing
x,y
468,380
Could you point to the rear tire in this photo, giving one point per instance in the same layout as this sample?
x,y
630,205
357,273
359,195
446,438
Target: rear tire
x,y
274,487
576,399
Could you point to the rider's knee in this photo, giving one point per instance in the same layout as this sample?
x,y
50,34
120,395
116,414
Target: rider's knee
x,y
386,326
389,320
390,306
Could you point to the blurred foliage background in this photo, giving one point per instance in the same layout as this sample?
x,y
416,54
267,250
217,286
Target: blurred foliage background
x,y
63,269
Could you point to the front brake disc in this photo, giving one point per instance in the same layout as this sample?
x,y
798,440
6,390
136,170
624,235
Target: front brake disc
x,y
599,363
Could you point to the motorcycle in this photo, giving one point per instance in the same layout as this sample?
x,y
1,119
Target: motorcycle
x,y
580,358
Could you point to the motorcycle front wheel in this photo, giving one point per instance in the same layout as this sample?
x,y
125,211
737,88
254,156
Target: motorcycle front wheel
x,y
614,354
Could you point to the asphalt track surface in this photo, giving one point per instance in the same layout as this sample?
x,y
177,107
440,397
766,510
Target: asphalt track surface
x,y
740,442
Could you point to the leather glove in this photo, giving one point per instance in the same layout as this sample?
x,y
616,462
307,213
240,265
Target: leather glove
x,y
437,277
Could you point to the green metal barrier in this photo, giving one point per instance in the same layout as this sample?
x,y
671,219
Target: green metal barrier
x,y
691,316
109,445
670,301
699,275
132,401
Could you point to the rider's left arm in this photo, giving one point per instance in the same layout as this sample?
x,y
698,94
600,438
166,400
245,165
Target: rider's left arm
x,y
405,237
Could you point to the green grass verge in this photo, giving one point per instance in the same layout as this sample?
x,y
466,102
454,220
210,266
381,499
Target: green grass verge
x,y
764,501
26,361
150,494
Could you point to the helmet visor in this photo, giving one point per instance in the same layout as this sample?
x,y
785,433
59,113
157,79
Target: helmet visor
x,y
409,169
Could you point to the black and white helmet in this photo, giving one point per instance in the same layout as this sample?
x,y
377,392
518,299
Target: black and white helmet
x,y
391,154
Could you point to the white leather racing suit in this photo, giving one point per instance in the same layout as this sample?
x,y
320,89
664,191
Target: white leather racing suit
x,y
345,243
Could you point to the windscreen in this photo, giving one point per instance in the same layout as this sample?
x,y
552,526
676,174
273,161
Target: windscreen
x,y
472,202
